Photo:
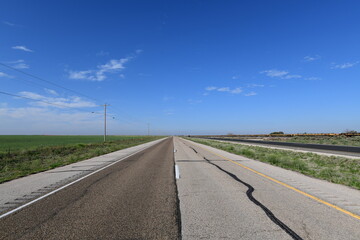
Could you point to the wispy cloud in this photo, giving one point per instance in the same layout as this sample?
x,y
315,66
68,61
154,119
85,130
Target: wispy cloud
x,y
9,23
43,114
23,48
58,102
236,90
224,89
51,91
102,53
2,74
250,94
345,65
100,74
80,74
47,120
19,64
313,78
210,88
169,112
193,102
311,58
274,73
253,85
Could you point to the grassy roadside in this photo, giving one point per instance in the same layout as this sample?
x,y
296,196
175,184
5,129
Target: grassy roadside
x,y
11,143
333,169
20,163
328,140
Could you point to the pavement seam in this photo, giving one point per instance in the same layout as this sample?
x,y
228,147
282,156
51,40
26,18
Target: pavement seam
x,y
178,210
287,185
267,211
249,192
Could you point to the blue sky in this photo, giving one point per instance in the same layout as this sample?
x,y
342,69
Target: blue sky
x,y
185,67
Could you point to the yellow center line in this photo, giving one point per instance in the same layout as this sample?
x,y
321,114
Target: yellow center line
x,y
285,185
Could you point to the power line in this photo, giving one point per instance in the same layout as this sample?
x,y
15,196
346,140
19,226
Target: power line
x,y
130,119
64,106
55,104
47,81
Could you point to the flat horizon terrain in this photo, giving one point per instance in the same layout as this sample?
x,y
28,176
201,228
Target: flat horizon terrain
x,y
24,155
10,143
327,140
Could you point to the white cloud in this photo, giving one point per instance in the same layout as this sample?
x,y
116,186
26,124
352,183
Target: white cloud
x,y
250,94
102,53
58,102
39,120
192,101
40,113
79,74
19,64
236,90
255,85
9,23
312,78
223,89
311,58
210,88
345,65
291,76
2,74
51,91
235,77
274,73
113,66
23,48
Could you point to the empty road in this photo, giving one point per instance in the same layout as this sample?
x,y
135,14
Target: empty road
x,y
220,199
133,199
210,195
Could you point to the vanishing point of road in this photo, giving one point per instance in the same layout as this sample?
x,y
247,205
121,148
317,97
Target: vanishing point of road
x,y
206,196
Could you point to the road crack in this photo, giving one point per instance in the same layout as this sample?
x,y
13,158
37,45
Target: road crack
x,y
250,196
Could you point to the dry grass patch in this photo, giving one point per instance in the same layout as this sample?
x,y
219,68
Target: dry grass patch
x,y
331,168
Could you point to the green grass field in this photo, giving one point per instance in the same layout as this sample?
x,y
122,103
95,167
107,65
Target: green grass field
x,y
13,143
24,155
329,140
331,168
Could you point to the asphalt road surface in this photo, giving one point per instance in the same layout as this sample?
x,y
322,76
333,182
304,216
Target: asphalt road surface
x,y
133,199
221,200
212,198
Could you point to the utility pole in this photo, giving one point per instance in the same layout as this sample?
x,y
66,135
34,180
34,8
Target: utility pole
x,y
105,105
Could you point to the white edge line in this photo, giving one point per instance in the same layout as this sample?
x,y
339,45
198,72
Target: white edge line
x,y
177,172
69,184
